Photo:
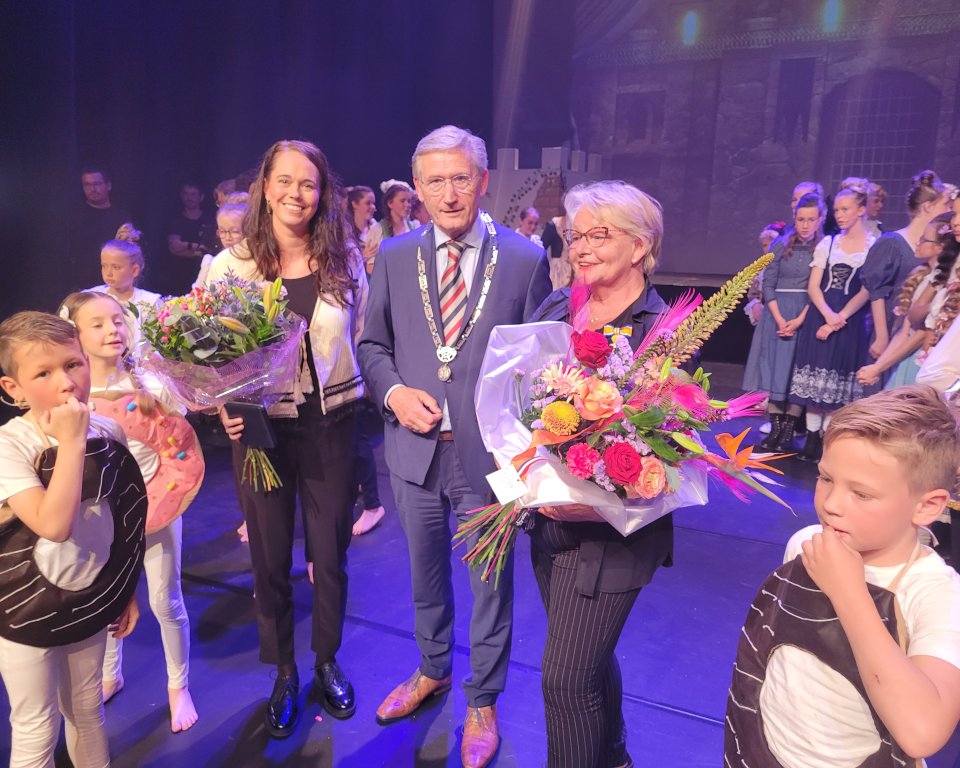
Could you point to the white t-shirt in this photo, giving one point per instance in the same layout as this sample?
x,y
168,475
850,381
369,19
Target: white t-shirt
x,y
72,564
810,711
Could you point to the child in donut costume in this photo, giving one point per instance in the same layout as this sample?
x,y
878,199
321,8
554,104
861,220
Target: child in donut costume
x,y
72,512
850,653
168,453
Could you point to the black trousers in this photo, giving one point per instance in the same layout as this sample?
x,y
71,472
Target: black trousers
x,y
369,428
582,687
314,459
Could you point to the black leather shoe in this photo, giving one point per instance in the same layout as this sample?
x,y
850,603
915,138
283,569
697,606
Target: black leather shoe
x,y
283,709
332,689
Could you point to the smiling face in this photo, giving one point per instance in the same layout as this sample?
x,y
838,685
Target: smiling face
x,y
607,265
118,271
292,190
363,209
863,493
102,329
846,211
452,210
46,375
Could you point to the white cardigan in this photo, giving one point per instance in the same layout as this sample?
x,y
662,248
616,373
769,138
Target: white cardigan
x,y
333,330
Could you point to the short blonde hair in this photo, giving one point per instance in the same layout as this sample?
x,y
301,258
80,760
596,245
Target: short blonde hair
x,y
623,206
30,327
913,424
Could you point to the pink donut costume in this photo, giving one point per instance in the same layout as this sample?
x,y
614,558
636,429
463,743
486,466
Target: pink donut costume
x,y
180,473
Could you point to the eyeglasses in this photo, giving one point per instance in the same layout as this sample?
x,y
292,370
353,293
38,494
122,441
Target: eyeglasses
x,y
235,232
923,240
461,183
595,237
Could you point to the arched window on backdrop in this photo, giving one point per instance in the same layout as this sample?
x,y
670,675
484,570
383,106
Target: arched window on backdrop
x,y
883,126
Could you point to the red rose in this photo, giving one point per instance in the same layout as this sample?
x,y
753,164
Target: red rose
x,y
591,348
623,463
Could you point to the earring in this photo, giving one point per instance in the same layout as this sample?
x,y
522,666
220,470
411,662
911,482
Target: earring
x,y
20,404
269,208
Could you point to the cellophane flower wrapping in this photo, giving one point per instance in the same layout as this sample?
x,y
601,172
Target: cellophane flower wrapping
x,y
516,349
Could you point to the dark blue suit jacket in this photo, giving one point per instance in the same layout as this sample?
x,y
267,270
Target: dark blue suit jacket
x,y
396,346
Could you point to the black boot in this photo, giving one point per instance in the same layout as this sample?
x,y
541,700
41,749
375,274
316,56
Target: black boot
x,y
787,431
283,709
771,441
333,690
812,448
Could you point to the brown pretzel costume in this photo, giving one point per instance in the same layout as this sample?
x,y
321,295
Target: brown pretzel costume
x,y
35,611
791,610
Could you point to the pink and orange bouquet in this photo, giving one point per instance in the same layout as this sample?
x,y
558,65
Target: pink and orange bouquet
x,y
596,423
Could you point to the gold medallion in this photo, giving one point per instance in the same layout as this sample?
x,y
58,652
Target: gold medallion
x,y
444,373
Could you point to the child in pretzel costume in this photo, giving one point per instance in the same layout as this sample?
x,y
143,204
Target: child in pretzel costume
x,y
166,448
850,654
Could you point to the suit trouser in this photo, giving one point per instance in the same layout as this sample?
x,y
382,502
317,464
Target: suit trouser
x,y
424,512
314,460
582,687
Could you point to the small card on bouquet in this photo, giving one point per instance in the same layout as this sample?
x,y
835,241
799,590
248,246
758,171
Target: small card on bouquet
x,y
506,484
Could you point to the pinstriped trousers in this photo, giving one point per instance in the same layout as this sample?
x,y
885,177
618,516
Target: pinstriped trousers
x,y
582,687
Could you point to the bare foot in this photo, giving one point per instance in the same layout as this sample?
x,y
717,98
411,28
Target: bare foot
x,y
111,688
242,533
310,571
183,714
367,521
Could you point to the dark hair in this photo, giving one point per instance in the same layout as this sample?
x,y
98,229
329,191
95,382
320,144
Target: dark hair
x,y
354,195
392,192
808,200
924,187
951,249
89,170
526,212
329,247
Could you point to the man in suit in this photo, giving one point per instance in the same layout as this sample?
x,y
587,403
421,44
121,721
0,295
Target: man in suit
x,y
420,354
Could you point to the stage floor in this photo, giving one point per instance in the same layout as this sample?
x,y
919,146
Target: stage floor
x,y
676,651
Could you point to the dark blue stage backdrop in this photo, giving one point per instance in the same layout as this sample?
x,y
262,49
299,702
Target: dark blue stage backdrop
x,y
162,92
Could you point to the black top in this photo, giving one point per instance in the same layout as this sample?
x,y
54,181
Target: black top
x,y
91,228
609,562
302,300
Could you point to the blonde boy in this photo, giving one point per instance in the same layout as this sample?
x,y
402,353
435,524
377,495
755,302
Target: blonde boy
x,y
47,375
850,654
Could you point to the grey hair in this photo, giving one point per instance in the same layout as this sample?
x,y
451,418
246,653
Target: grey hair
x,y
451,137
623,206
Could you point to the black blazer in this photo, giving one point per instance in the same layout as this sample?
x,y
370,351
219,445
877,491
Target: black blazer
x,y
609,562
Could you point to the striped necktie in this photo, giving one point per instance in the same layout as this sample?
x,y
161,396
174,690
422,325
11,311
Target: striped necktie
x,y
453,293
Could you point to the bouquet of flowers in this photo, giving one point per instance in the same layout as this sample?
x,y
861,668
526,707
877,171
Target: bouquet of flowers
x,y
229,342
598,424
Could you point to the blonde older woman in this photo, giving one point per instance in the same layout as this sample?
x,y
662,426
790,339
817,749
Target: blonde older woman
x,y
588,574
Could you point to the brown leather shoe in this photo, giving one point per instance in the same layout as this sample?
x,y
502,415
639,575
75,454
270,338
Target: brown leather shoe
x,y
481,737
407,697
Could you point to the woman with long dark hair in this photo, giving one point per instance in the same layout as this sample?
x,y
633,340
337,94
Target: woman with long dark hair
x,y
295,230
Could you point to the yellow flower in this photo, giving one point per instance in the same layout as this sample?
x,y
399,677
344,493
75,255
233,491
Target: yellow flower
x,y
560,418
232,324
